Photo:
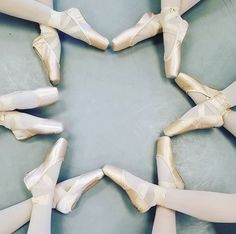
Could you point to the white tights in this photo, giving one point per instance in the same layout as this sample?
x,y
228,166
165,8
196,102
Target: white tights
x,y
230,93
187,4
208,206
14,217
230,118
40,220
27,9
40,11
165,221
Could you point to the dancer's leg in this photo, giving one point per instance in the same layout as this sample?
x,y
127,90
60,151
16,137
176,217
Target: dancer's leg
x,y
164,221
70,22
208,206
40,221
200,93
48,3
174,30
41,182
230,94
230,122
21,212
48,47
208,114
148,26
187,4
171,3
230,116
27,9
15,216
168,37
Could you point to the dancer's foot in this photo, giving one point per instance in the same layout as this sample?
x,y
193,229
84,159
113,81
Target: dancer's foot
x,y
73,23
25,126
174,29
142,194
28,99
196,90
42,180
168,176
148,26
208,114
48,47
68,193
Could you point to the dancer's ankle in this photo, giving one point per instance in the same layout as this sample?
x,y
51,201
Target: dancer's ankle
x,y
44,29
160,195
56,18
42,200
170,10
230,97
58,194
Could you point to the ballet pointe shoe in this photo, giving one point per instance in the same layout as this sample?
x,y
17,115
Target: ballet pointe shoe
x,y
165,154
208,114
39,175
142,194
46,96
191,86
46,45
28,99
178,28
148,26
75,25
65,201
24,126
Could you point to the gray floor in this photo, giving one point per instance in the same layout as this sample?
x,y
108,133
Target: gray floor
x,y
114,106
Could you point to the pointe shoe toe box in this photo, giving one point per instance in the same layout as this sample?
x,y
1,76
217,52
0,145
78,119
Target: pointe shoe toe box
x,y
47,95
114,173
172,64
97,40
